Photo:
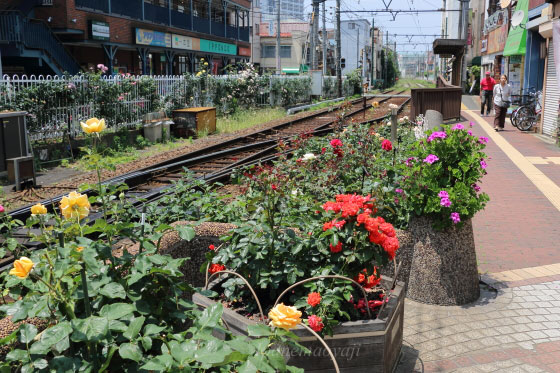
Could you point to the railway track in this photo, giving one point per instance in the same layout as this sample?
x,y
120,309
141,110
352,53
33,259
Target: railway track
x,y
216,162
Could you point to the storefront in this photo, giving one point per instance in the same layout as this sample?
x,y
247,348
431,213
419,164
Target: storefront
x,y
551,90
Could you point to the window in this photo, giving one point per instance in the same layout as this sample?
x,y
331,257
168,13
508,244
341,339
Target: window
x,y
351,26
268,51
285,51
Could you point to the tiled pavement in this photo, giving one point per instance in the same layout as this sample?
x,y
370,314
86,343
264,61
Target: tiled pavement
x,y
515,325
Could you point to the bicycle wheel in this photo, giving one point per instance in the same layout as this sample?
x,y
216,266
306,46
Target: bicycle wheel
x,y
523,113
526,123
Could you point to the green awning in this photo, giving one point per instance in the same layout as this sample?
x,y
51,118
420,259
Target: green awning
x,y
516,42
290,70
476,61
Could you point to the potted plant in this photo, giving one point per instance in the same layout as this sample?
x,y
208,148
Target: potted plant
x,y
441,181
327,269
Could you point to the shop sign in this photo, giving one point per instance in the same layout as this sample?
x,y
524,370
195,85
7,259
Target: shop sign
x,y
217,47
497,39
99,30
185,42
483,45
244,51
155,38
496,20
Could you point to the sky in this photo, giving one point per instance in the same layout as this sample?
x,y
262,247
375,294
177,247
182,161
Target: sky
x,y
409,24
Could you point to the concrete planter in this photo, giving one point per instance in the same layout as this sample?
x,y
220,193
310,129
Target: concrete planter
x,y
443,269
359,346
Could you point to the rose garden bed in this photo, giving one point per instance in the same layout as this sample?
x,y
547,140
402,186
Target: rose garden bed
x,y
306,249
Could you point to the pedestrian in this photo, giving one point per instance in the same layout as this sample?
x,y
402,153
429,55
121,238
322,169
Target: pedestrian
x,y
502,100
486,91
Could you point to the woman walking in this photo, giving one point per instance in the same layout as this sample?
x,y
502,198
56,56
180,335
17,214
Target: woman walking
x,y
502,100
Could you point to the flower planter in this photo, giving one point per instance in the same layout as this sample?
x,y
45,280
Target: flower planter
x,y
359,346
443,269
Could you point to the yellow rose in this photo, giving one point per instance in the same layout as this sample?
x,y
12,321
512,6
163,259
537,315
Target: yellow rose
x,y
375,104
22,267
285,317
38,209
75,205
79,249
93,125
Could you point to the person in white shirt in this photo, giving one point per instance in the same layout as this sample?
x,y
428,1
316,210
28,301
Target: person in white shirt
x,y
502,100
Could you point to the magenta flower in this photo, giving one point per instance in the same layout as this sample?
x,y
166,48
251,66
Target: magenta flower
x,y
469,132
455,217
398,190
443,194
483,140
445,202
437,135
476,188
483,164
1,209
471,124
409,161
431,159
458,126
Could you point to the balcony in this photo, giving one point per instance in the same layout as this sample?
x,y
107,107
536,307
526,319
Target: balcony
x,y
164,16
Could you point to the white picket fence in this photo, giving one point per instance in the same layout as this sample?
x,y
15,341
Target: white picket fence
x,y
73,99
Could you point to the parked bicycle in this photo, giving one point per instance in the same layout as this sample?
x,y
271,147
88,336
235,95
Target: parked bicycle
x,y
528,113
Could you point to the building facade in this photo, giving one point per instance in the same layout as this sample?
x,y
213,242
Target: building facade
x,y
289,9
354,37
132,36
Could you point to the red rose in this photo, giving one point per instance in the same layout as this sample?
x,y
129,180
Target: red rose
x,y
372,281
337,248
336,143
212,247
315,323
360,278
214,267
391,245
274,187
377,238
313,299
386,145
323,150
388,229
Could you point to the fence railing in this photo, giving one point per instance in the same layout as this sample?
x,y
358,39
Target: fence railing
x,y
56,105
446,99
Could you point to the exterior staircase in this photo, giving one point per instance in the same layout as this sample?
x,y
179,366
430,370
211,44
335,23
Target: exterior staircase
x,y
31,38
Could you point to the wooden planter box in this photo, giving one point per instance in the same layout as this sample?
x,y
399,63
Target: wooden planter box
x,y
359,346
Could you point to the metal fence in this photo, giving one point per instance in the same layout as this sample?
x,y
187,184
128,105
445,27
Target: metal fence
x,y
56,105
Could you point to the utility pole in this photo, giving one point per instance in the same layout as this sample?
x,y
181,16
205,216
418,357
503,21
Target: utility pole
x,y
373,59
314,37
338,51
358,47
278,62
387,60
324,41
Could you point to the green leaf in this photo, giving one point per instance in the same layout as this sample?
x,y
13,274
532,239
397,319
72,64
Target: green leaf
x,y
259,330
89,256
27,332
259,361
210,316
184,351
151,329
56,334
146,343
130,351
117,326
113,290
17,355
40,364
64,364
134,278
134,328
276,359
92,329
214,352
116,310
185,232
159,363
9,338
241,345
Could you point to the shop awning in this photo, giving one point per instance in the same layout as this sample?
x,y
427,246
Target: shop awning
x,y
291,70
516,42
476,61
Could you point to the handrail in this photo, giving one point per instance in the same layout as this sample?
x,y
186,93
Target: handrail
x,y
34,34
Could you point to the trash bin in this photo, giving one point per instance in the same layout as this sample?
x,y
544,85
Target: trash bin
x,y
192,121
152,131
13,137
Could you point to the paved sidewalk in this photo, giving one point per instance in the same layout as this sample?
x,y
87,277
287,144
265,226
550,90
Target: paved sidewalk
x,y
515,325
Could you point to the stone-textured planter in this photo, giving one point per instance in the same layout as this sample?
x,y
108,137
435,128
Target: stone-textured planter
x,y
443,269
359,346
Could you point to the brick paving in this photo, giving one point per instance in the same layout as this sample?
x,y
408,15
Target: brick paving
x,y
515,325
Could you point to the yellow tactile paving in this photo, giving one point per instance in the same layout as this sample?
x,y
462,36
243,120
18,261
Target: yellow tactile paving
x,y
547,187
537,160
555,160
527,273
